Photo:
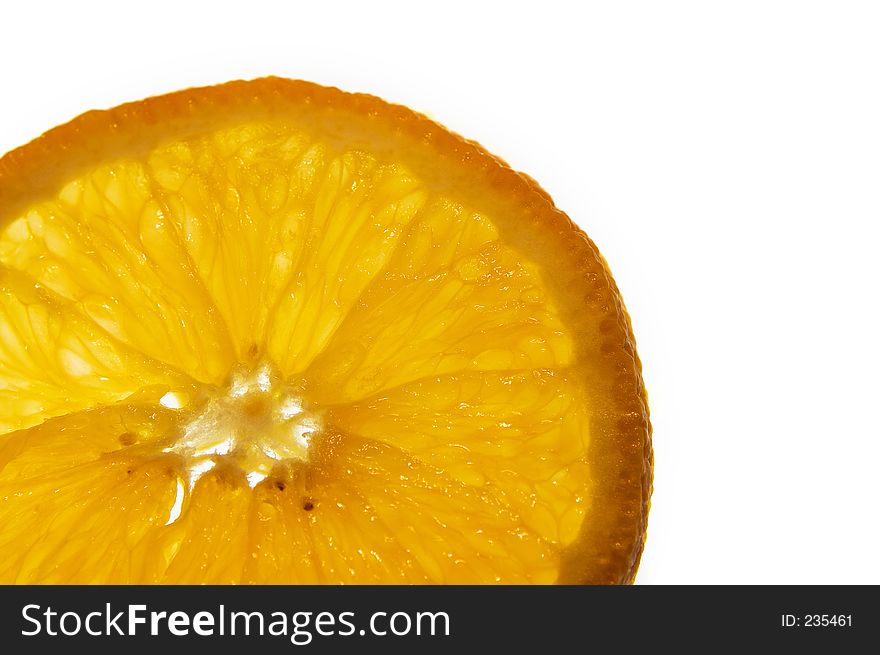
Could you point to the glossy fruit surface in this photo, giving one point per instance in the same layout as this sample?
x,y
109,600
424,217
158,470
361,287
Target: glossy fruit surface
x,y
273,332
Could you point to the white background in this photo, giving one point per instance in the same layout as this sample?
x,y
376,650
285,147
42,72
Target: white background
x,y
725,156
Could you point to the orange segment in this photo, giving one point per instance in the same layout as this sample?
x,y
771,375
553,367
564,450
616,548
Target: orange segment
x,y
279,226
63,527
55,360
104,245
441,308
477,428
270,332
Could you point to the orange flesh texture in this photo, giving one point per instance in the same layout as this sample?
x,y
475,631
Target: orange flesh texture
x,y
271,332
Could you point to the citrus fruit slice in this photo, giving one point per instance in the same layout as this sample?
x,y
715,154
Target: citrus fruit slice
x,y
271,332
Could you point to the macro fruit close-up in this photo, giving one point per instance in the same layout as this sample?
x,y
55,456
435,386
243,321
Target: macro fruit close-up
x,y
272,332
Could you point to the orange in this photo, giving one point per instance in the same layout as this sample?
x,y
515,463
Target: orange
x,y
271,332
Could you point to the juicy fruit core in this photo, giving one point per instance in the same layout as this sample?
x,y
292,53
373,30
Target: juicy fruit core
x,y
255,422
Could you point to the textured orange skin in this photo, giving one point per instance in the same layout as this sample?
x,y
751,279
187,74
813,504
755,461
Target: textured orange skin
x,y
621,453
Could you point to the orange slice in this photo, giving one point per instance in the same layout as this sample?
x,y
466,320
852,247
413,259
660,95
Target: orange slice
x,y
270,332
